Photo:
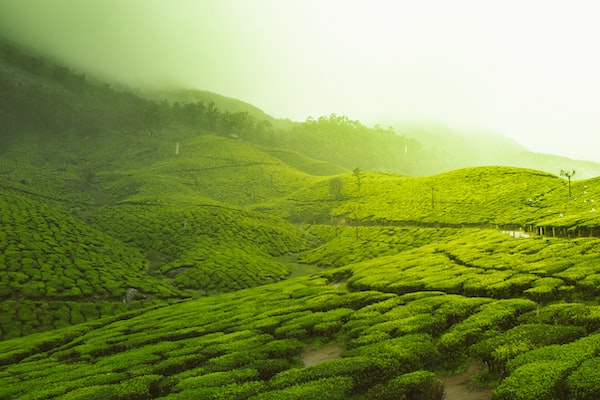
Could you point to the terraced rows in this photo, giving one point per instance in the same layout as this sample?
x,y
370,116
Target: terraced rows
x,y
247,345
209,247
54,266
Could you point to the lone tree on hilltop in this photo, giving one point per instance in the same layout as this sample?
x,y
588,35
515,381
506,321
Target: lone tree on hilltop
x,y
356,174
568,175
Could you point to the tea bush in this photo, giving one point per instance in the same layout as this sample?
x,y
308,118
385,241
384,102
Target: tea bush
x,y
415,385
584,382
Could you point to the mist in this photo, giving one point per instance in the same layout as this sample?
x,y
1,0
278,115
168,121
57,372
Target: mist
x,y
526,69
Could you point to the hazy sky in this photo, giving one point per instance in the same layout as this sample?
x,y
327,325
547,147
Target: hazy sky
x,y
529,69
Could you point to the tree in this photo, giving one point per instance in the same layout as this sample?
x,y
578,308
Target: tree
x,y
336,186
353,209
356,173
568,175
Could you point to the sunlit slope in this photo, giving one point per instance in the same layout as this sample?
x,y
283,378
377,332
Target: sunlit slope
x,y
56,270
471,262
399,318
577,215
479,196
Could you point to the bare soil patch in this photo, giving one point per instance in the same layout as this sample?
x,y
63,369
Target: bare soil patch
x,y
458,387
313,356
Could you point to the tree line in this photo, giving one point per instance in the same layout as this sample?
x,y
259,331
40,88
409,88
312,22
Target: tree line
x,y
39,95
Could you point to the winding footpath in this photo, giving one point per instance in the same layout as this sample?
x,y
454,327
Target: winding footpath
x,y
458,387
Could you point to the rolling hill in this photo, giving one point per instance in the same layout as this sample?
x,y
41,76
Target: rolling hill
x,y
159,251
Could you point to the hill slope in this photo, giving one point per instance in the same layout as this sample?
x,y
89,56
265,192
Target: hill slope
x,y
106,196
394,317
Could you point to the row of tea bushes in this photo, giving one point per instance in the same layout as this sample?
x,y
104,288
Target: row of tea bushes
x,y
497,350
215,267
372,242
470,263
173,229
559,371
566,313
47,254
107,168
25,317
224,170
304,163
479,196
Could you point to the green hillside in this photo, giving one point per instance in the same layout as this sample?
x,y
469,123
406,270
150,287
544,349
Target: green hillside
x,y
177,250
469,293
513,198
57,270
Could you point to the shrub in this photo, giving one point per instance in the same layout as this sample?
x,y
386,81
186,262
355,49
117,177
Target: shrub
x,y
95,392
400,355
269,367
422,385
496,351
497,315
534,381
584,383
335,388
544,289
573,353
282,348
218,379
364,370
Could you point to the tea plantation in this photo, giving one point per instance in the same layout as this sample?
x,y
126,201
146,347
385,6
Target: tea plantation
x,y
158,266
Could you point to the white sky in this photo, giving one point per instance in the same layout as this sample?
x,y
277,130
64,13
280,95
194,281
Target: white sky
x,y
529,69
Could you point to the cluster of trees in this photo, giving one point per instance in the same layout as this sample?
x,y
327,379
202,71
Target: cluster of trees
x,y
349,143
45,97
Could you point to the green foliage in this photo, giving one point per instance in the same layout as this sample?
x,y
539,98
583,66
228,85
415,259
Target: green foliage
x,y
584,382
496,351
326,388
412,273
415,385
544,371
402,354
364,371
536,380
500,314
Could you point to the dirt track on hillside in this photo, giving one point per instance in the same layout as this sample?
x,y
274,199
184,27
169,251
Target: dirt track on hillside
x,y
458,387
313,356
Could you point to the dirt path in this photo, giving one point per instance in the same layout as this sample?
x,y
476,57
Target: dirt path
x,y
458,386
312,356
